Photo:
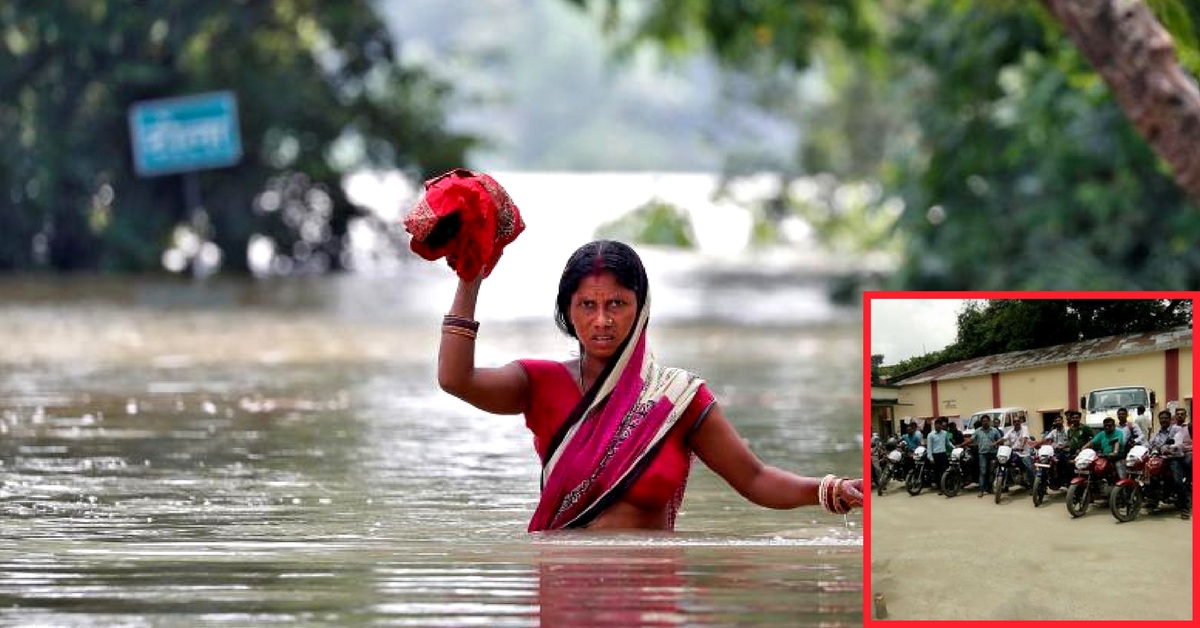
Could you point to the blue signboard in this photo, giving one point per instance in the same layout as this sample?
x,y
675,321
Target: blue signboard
x,y
183,134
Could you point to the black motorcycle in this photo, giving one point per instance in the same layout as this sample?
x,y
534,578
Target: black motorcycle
x,y
897,467
879,465
958,475
1048,473
921,473
1009,471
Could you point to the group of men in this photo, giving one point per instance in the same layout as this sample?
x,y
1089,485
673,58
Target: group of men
x,y
1114,440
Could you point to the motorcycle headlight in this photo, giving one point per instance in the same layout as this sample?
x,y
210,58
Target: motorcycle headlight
x,y
1002,457
894,456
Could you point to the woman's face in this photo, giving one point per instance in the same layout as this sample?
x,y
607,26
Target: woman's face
x,y
603,312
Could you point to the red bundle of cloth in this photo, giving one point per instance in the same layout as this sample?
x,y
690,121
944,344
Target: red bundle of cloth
x,y
467,218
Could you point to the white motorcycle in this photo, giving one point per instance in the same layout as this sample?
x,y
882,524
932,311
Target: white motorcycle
x,y
921,474
1047,474
958,473
1006,467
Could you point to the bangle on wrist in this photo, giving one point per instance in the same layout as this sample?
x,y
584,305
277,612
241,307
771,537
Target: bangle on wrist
x,y
459,331
454,320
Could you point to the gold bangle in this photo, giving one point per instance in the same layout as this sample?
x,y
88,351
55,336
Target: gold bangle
x,y
823,491
458,331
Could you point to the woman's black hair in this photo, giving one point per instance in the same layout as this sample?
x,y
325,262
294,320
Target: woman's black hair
x,y
616,257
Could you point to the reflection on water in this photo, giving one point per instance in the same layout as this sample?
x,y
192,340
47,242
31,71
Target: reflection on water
x,y
275,456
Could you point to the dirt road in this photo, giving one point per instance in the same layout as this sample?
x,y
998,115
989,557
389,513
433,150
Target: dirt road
x,y
969,558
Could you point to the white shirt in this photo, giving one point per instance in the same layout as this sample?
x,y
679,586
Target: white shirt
x,y
1057,438
1019,441
1133,431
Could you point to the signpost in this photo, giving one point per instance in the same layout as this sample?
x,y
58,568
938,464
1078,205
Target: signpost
x,y
182,135
174,135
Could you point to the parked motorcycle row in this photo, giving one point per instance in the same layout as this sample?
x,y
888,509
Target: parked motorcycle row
x,y
1086,478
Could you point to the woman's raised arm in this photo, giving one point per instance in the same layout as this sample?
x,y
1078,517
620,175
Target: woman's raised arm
x,y
502,390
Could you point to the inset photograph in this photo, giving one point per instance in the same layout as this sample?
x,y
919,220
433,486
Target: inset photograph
x,y
1031,458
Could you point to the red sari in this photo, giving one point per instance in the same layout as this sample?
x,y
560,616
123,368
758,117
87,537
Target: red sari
x,y
623,440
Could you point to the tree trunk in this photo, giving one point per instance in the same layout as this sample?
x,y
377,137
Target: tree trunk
x,y
1136,58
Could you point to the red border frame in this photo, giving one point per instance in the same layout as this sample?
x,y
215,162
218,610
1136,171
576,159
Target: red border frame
x,y
868,297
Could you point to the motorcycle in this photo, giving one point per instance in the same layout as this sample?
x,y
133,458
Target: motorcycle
x,y
1047,474
1148,480
879,466
1007,467
897,466
1093,479
921,473
958,474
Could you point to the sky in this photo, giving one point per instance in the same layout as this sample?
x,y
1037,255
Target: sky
x,y
904,328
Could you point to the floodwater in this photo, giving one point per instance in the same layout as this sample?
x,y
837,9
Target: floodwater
x,y
237,453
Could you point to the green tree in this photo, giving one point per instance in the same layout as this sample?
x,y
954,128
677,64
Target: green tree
x,y
319,92
1028,175
915,364
1135,55
1020,170
1004,325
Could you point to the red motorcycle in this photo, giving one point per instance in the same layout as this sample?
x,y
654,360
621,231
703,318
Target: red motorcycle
x,y
1094,478
1148,480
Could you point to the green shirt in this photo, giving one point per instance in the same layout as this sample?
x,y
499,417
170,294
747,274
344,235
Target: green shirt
x,y
1108,444
1077,437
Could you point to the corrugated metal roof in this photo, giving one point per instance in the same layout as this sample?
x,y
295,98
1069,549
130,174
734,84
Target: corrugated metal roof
x,y
1109,346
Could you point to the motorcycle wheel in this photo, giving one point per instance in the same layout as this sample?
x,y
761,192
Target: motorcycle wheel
x,y
1078,500
951,482
1125,503
883,481
913,483
1039,491
998,487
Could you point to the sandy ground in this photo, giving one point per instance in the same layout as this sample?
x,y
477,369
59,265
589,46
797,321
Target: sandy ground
x,y
969,558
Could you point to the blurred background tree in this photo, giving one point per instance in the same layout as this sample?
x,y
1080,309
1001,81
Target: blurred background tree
x,y
319,94
1014,164
971,141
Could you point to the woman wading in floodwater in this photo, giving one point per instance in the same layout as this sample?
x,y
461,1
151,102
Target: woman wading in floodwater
x,y
615,430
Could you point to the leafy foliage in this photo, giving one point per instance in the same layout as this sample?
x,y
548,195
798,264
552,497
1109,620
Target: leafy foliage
x,y
1182,20
1015,166
319,92
655,222
1028,175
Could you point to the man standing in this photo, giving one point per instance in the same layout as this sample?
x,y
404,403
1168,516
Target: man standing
x,y
913,438
939,450
1184,438
955,434
1143,421
985,438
